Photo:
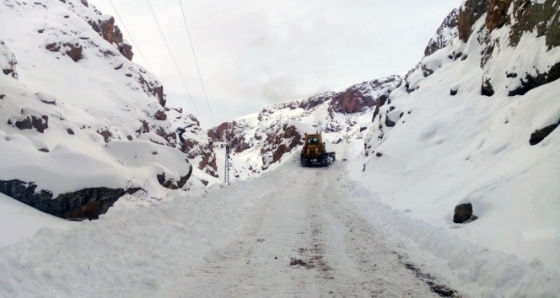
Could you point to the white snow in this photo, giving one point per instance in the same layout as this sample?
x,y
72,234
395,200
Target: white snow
x,y
102,93
19,221
395,186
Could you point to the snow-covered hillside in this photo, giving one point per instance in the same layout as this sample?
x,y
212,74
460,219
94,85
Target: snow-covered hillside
x,y
473,124
80,123
260,141
463,126
467,123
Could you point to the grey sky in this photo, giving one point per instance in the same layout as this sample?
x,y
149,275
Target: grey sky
x,y
255,53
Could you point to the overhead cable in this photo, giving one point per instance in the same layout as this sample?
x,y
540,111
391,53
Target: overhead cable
x,y
196,62
172,58
131,38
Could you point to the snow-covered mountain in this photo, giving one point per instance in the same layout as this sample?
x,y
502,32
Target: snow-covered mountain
x,y
80,123
473,123
259,141
472,127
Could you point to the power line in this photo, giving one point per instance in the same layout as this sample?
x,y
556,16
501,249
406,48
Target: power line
x,y
196,62
172,58
131,38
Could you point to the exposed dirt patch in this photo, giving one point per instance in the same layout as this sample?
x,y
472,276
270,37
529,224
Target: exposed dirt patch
x,y
439,289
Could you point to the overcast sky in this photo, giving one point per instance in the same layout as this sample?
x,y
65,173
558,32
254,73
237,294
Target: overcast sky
x,y
255,53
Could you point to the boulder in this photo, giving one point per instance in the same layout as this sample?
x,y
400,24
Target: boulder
x,y
463,212
542,133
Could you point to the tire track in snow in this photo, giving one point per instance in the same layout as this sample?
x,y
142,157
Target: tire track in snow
x,y
302,240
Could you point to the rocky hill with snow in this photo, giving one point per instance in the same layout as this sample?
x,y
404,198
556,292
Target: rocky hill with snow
x,y
81,125
472,124
453,167
259,141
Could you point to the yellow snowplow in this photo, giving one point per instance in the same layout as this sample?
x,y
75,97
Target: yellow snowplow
x,y
314,152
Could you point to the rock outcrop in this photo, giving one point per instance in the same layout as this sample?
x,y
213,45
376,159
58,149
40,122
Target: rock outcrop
x,y
541,134
87,203
518,18
7,61
194,142
445,34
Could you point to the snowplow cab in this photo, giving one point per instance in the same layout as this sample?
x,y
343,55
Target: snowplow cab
x,y
314,151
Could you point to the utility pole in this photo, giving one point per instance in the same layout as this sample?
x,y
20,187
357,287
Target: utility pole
x,y
226,166
227,163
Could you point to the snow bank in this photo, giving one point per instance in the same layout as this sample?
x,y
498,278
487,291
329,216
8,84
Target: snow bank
x,y
129,252
19,221
464,265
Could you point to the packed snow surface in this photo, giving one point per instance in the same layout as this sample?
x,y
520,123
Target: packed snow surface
x,y
290,232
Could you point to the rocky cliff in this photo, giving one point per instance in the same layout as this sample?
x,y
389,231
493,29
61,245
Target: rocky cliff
x,y
261,140
74,108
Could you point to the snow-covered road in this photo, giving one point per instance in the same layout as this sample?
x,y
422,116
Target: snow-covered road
x,y
288,233
292,232
301,240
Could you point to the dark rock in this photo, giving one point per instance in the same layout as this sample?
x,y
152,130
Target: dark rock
x,y
145,128
297,262
276,141
440,41
497,13
469,13
463,212
9,67
169,136
75,51
389,122
160,115
2,96
511,75
53,47
531,16
378,154
70,131
106,134
540,134
531,82
171,183
486,54
353,100
486,89
126,50
40,123
86,203
453,92
46,100
193,149
426,71
233,133
153,88
44,150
